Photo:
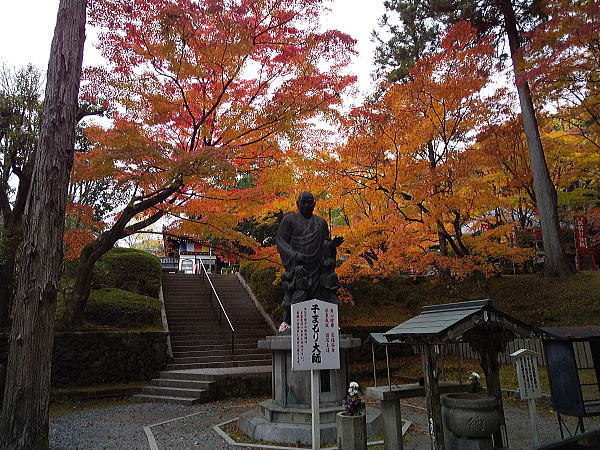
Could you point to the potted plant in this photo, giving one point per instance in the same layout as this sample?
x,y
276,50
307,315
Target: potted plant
x,y
352,422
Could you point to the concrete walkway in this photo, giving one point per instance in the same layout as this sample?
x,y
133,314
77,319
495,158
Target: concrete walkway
x,y
122,426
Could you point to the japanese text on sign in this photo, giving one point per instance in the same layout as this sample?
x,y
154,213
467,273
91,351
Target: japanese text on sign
x,y
315,336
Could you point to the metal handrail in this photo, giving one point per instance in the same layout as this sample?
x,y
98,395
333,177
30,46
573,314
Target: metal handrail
x,y
212,291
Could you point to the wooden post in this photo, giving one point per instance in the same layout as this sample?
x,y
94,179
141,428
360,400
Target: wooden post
x,y
374,366
432,393
315,388
491,370
533,419
387,362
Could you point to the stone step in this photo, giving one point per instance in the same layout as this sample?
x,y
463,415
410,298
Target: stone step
x,y
194,326
179,327
239,343
188,375
166,391
213,374
182,299
167,399
184,384
222,334
242,356
258,362
181,345
192,309
204,319
203,353
215,347
215,353
185,341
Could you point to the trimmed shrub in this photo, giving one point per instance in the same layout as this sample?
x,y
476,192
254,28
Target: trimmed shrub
x,y
119,308
128,269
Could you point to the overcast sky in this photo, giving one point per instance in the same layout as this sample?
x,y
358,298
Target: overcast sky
x,y
26,29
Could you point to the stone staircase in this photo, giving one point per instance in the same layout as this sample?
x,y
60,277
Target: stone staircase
x,y
202,348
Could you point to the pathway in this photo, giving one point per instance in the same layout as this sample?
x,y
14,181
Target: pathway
x,y
122,426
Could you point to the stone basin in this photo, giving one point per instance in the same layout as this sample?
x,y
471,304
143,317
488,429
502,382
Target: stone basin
x,y
470,415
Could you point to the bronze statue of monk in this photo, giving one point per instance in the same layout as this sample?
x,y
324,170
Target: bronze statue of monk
x,y
308,255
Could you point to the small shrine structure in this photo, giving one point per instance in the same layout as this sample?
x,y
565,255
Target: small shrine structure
x,y
184,255
478,323
573,364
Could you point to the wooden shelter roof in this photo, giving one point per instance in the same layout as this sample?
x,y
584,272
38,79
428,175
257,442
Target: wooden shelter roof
x,y
578,333
448,322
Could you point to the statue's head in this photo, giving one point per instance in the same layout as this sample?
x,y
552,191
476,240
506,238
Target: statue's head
x,y
306,204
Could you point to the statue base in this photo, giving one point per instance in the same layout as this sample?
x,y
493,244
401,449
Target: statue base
x,y
287,417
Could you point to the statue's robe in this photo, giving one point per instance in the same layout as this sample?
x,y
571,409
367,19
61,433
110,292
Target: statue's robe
x,y
296,236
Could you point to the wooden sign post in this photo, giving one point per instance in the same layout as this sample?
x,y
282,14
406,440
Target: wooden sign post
x,y
529,385
315,347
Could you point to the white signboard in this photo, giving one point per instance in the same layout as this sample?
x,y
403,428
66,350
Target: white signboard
x,y
315,336
527,374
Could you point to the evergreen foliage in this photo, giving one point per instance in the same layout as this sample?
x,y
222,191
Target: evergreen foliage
x,y
119,308
129,269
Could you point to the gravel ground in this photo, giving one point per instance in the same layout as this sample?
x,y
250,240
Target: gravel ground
x,y
121,426
517,423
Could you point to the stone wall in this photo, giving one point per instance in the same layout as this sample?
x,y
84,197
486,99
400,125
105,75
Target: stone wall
x,y
90,358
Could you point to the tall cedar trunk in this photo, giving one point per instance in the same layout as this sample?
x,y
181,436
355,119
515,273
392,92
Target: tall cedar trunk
x,y
555,263
7,278
24,419
74,308
13,221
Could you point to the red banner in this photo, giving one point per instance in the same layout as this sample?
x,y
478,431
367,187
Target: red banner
x,y
580,232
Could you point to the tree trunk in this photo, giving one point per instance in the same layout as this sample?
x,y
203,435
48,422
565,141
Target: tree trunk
x,y
24,419
555,263
7,278
74,308
491,370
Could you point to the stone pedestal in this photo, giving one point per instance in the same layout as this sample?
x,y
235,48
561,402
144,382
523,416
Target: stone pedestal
x,y
351,432
287,416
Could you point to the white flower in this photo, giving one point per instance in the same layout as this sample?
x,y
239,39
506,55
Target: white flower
x,y
354,385
475,375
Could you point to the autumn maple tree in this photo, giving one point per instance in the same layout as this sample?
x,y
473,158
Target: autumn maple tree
x,y
410,172
202,93
503,19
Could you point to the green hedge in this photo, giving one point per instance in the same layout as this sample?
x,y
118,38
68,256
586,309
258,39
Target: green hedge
x,y
265,286
128,269
119,308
